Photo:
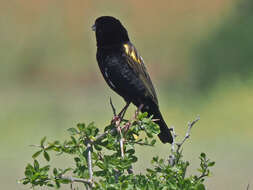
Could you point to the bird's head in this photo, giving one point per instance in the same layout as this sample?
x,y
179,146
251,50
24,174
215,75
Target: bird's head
x,y
109,31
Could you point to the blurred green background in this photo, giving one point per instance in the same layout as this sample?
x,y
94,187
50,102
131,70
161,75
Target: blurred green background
x,y
199,54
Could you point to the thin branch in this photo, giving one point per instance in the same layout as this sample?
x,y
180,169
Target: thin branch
x,y
121,141
89,161
71,186
248,186
202,176
173,133
138,110
187,135
123,111
102,136
126,127
74,179
113,108
134,118
113,131
172,156
139,143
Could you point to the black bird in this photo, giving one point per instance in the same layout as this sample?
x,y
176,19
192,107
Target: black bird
x,y
124,70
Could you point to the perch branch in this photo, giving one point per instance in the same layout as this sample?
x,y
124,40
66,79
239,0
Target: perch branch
x,y
113,131
121,141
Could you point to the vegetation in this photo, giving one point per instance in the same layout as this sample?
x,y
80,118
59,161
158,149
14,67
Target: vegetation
x,y
105,161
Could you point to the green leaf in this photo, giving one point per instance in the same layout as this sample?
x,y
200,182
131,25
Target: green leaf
x,y
58,185
80,126
100,173
29,170
66,170
45,168
46,156
72,131
43,141
50,185
36,154
210,164
55,172
130,151
36,165
153,142
200,187
26,182
50,147
134,159
203,155
155,159
77,159
64,181
73,140
101,165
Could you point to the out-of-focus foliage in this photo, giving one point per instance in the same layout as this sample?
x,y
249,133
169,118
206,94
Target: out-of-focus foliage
x,y
227,52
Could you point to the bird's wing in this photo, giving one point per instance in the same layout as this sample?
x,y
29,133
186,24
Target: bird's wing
x,y
136,62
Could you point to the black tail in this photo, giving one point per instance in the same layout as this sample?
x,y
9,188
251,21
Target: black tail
x,y
165,134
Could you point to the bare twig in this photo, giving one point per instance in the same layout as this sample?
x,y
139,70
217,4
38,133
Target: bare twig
x,y
174,150
202,176
172,156
113,108
130,122
124,109
113,131
173,133
187,135
138,111
121,141
102,136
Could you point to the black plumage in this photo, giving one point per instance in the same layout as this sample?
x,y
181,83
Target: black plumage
x,y
124,70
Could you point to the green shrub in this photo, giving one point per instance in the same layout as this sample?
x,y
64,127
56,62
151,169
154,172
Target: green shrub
x,y
105,161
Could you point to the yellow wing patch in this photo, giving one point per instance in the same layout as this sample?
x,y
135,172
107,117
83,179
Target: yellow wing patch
x,y
135,136
126,46
130,51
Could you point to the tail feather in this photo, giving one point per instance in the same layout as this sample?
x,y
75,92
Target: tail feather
x,y
165,134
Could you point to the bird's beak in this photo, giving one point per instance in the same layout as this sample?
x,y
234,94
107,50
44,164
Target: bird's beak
x,y
93,28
